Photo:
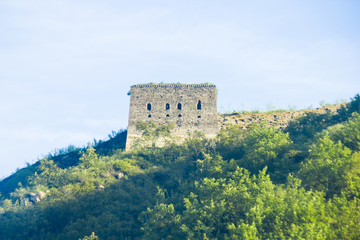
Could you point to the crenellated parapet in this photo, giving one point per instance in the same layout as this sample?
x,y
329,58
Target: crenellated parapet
x,y
173,85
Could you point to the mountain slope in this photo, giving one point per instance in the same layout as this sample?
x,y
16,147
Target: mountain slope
x,y
64,158
302,182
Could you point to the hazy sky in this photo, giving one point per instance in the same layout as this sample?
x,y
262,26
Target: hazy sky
x,y
66,66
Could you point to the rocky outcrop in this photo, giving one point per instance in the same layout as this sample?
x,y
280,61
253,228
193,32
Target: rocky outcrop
x,y
119,175
36,197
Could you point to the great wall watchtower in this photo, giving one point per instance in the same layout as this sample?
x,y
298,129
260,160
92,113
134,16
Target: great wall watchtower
x,y
189,106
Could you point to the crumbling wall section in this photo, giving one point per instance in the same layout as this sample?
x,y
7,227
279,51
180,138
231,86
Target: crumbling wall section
x,y
278,120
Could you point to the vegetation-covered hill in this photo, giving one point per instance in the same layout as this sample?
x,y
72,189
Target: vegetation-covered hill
x,y
64,158
302,182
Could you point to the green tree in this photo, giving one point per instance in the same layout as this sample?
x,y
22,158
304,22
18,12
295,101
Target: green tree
x,y
344,216
327,166
230,142
266,147
302,130
196,145
238,206
348,132
89,158
161,222
48,174
344,113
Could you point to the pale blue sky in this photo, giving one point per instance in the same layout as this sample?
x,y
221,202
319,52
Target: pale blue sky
x,y
66,66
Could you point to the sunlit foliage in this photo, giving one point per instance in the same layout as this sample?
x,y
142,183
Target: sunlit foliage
x,y
259,183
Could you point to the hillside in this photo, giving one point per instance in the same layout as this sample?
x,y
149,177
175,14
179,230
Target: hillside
x,y
298,181
65,158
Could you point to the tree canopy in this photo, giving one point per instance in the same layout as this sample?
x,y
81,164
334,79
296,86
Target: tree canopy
x,y
260,183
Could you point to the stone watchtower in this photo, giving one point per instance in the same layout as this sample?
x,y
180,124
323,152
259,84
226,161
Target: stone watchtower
x,y
189,106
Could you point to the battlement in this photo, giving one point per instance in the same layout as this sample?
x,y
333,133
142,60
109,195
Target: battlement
x,y
189,107
173,85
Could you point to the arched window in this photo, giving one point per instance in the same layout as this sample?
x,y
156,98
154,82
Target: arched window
x,y
199,105
167,115
179,115
179,106
149,107
149,116
167,106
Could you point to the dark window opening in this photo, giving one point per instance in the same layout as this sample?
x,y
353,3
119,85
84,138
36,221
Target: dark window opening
x,y
199,105
167,107
149,107
180,115
149,116
199,116
167,115
179,106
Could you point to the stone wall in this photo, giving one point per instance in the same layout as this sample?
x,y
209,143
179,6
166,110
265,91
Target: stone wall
x,y
278,120
193,107
189,107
